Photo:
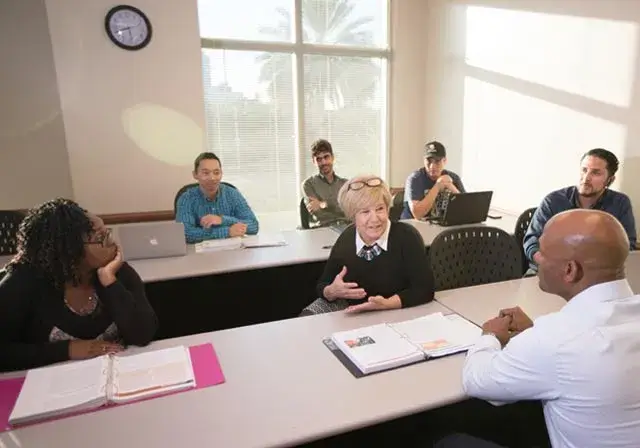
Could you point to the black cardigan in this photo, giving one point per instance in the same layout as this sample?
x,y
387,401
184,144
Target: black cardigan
x,y
31,307
402,269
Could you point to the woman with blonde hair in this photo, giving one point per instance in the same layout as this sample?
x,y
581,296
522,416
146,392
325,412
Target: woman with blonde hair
x,y
375,264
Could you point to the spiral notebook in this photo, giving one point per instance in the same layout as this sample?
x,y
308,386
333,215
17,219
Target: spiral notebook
x,y
82,386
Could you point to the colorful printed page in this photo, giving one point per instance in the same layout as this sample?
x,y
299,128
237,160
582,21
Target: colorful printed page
x,y
376,348
438,334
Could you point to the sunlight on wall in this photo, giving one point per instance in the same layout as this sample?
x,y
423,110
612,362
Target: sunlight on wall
x,y
590,57
163,133
522,147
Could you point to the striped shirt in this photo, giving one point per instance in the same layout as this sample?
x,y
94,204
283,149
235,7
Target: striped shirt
x,y
229,204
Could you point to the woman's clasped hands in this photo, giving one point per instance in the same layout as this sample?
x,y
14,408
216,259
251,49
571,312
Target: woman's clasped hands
x,y
339,289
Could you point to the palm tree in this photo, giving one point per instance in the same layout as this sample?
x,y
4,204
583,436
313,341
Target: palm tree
x,y
334,81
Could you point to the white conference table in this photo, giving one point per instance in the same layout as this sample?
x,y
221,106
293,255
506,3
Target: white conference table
x,y
303,246
481,303
283,387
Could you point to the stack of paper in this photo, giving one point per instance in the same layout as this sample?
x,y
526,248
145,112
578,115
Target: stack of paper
x,y
250,241
217,245
264,240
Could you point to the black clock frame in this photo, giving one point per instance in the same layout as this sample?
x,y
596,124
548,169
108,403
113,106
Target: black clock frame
x,y
115,41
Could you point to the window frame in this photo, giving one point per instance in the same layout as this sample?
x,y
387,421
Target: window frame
x,y
299,49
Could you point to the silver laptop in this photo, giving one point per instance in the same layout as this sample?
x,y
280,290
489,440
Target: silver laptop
x,y
151,240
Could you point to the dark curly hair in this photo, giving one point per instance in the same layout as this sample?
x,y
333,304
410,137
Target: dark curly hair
x,y
51,239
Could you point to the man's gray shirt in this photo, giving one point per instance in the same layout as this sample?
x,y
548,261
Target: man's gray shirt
x,y
318,187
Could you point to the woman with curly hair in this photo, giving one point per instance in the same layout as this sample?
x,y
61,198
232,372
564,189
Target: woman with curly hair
x,y
67,294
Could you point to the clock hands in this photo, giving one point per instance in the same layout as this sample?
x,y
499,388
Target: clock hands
x,y
128,27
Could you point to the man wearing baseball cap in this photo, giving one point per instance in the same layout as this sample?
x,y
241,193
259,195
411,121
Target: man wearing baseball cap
x,y
427,190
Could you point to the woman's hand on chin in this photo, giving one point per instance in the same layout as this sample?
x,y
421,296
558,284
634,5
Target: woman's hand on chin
x,y
107,273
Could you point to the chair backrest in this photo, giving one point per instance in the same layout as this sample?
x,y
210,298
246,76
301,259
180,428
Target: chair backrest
x,y
187,187
229,185
179,193
305,217
9,222
397,206
522,225
474,255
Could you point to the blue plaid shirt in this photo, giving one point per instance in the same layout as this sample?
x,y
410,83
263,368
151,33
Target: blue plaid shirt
x,y
229,204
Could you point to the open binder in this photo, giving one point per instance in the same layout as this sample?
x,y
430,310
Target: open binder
x,y
84,386
382,347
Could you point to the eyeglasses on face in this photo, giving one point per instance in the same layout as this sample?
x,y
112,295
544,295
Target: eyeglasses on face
x,y
360,184
101,238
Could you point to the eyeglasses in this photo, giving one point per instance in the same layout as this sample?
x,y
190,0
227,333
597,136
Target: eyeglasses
x,y
360,184
102,238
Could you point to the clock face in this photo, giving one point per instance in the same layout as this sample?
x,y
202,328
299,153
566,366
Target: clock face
x,y
128,27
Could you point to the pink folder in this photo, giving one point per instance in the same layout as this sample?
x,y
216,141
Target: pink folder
x,y
206,368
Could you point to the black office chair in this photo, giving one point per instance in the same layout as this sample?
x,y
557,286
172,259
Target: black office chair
x,y
189,186
522,225
229,185
474,255
305,217
9,222
397,206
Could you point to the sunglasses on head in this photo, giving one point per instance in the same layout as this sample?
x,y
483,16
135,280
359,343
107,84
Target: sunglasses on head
x,y
360,184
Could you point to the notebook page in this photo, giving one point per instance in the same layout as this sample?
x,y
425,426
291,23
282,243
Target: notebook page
x,y
440,335
50,391
375,348
151,373
218,245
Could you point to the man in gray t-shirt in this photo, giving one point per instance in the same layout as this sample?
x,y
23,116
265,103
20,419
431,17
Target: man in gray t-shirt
x,y
321,190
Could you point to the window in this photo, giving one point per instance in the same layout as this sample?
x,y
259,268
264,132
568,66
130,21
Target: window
x,y
343,103
270,91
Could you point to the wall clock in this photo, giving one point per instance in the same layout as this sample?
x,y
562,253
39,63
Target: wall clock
x,y
128,27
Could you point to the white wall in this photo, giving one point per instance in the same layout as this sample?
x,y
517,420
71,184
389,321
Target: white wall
x,y
519,90
134,121
34,165
407,105
119,105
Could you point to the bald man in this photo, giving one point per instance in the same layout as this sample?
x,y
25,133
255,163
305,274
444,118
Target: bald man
x,y
582,362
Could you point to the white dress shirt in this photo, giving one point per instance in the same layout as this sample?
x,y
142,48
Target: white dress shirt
x,y
583,362
382,241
